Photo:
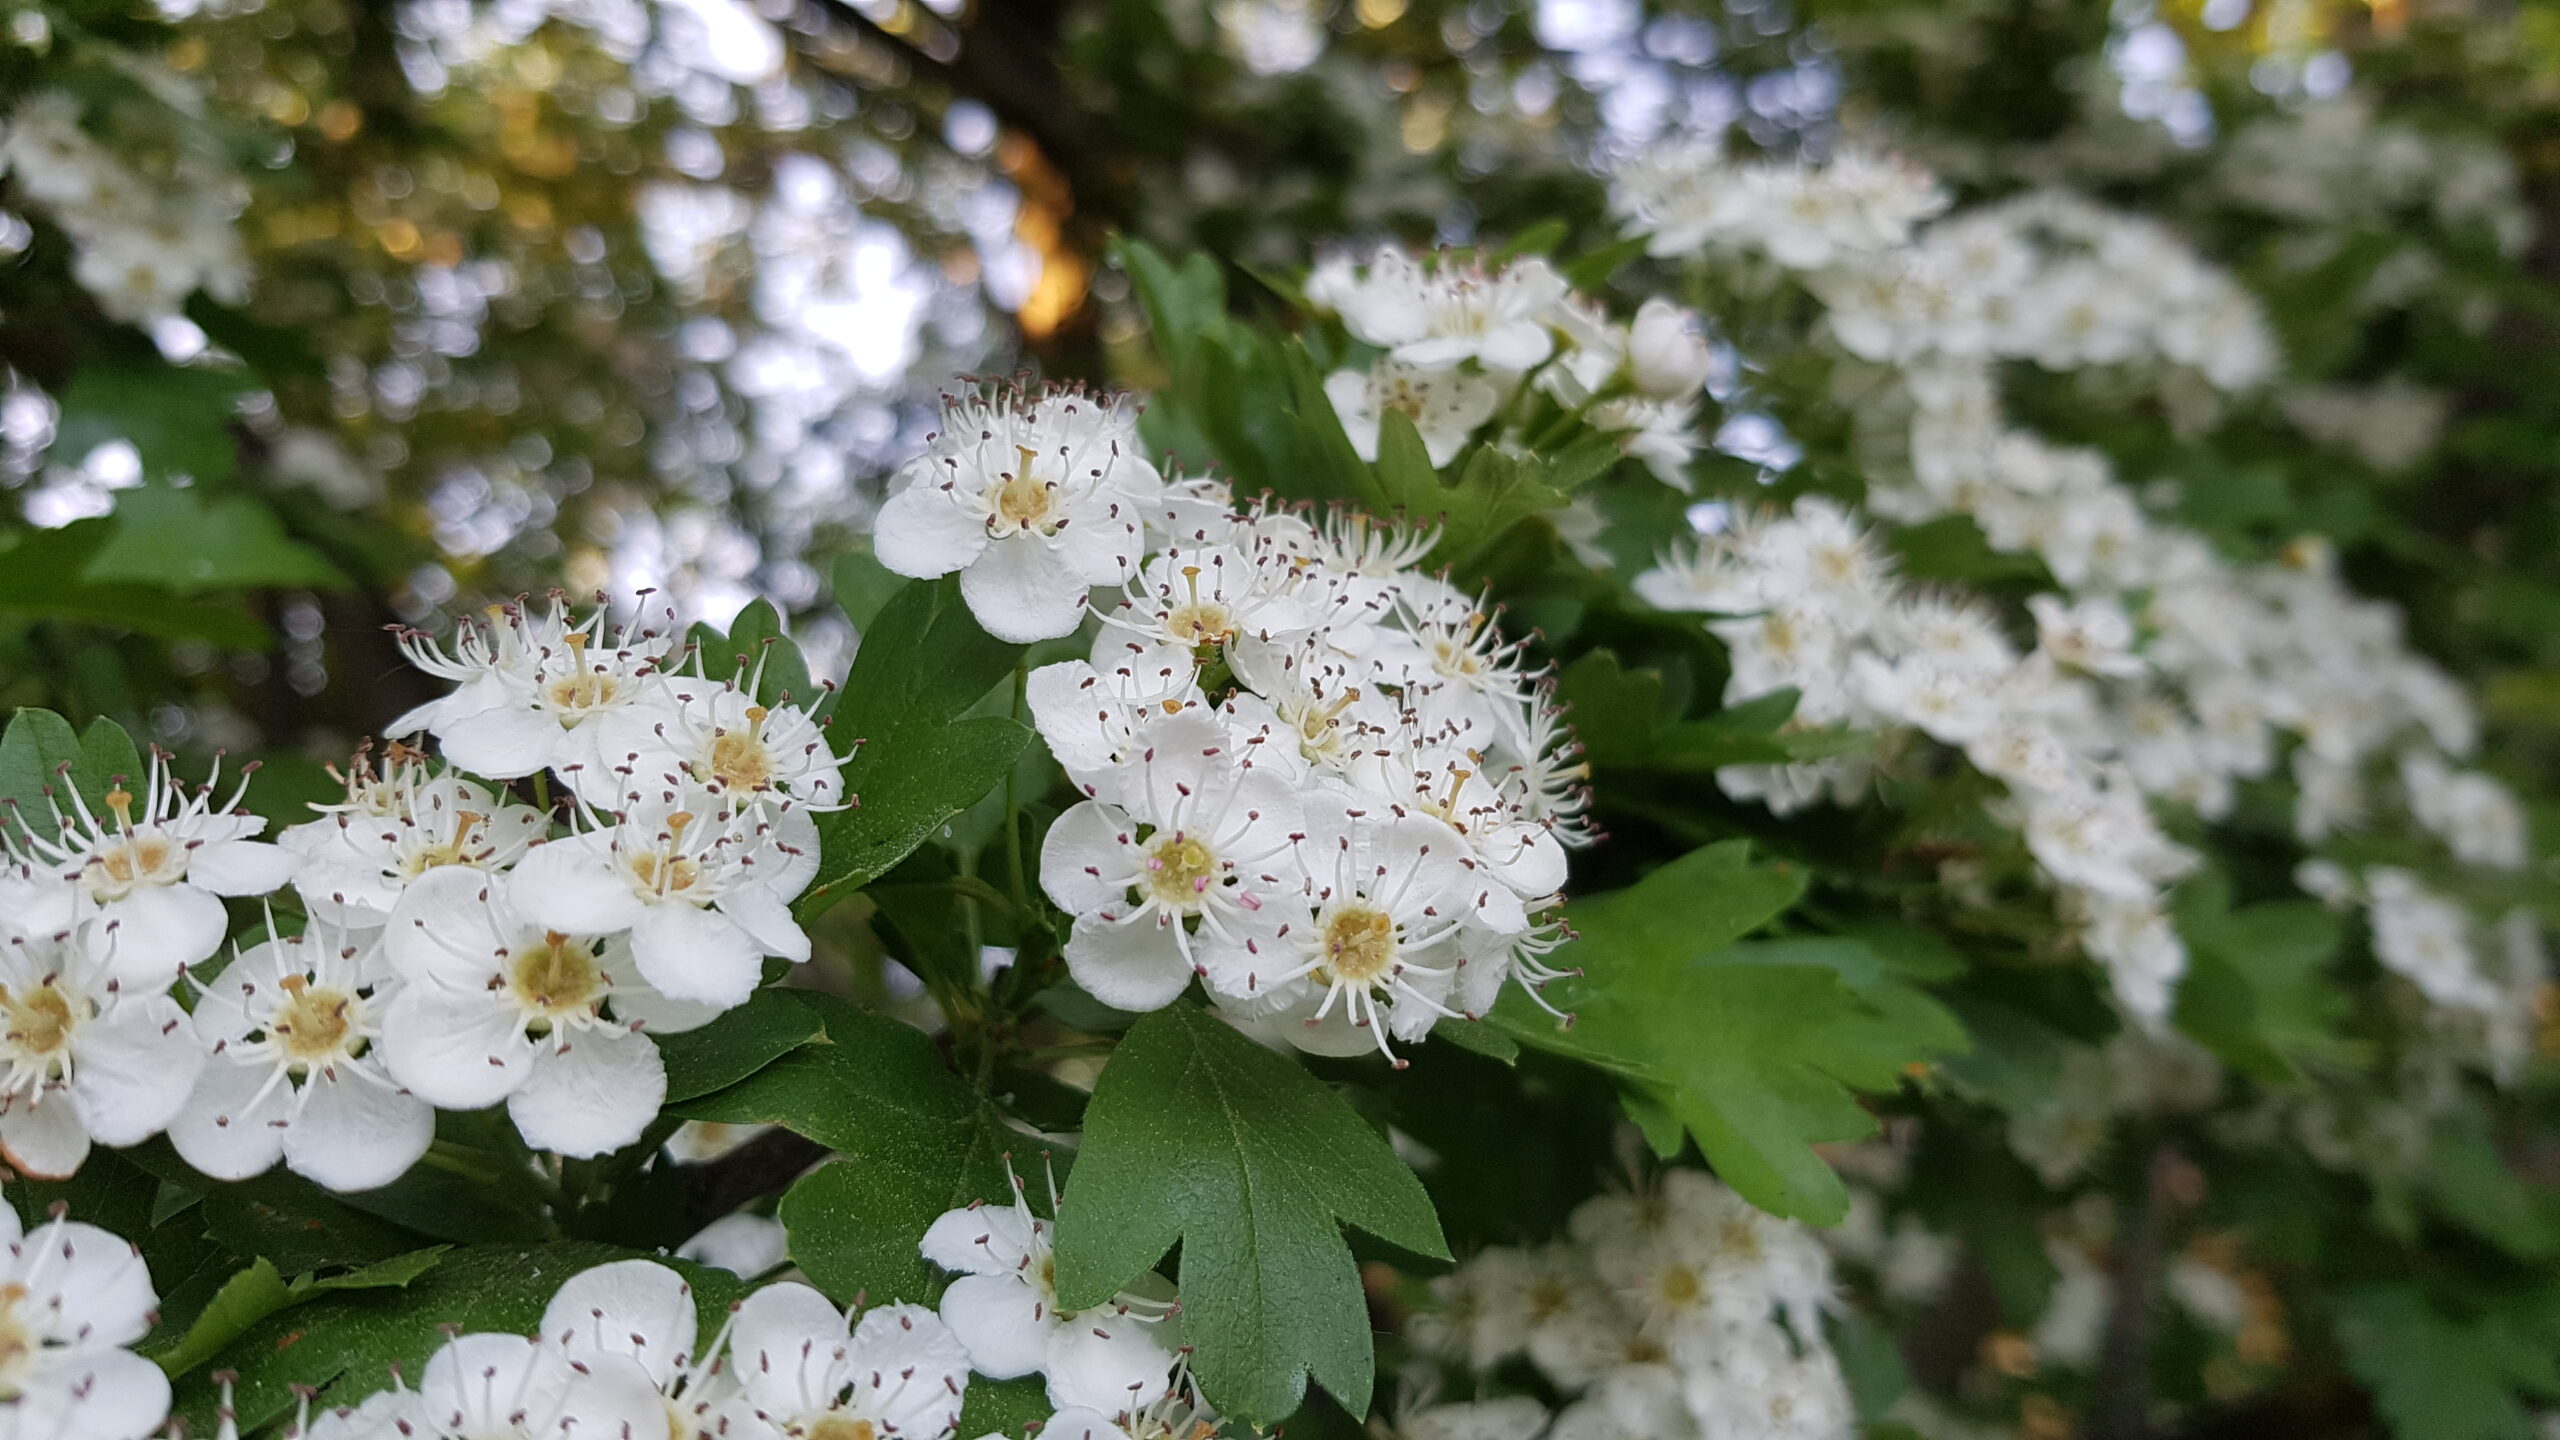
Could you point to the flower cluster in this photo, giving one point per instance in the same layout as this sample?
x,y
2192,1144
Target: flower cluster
x,y
1317,779
142,245
1117,1360
1679,1310
2336,162
1689,196
2161,669
456,954
72,1298
1460,343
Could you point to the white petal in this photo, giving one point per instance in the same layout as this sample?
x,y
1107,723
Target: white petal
x,y
475,1383
461,1050
221,1132
354,1132
85,1285
44,1141
767,920
779,1330
637,1002
611,1396
638,1308
1003,1322
1107,1361
742,1244
92,1393
1086,856
980,1240
1135,965
695,954
152,931
132,1068
1078,1423
447,926
591,1095
573,886
242,867
1022,590
502,742
923,531
920,1367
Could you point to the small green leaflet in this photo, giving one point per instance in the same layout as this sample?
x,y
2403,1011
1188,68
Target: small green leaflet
x,y
1198,1134
188,542
2433,1377
913,1140
1755,1048
253,1294
40,751
771,1024
922,664
757,649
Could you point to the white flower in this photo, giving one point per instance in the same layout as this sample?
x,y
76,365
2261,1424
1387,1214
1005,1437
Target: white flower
x,y
152,872
495,1007
1445,406
807,1372
395,825
529,684
705,895
1114,1358
1198,832
2426,939
89,1058
744,1244
1366,949
1033,499
637,1315
2092,634
717,736
72,1297
1443,315
293,1073
508,1387
1667,353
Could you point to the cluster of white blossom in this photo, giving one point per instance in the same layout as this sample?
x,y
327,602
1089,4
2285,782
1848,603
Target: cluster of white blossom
x,y
1460,344
456,954
1112,1365
1679,1312
1688,196
72,1298
2337,162
2161,669
1317,779
142,242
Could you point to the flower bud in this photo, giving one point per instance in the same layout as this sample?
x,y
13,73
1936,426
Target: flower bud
x,y
1667,351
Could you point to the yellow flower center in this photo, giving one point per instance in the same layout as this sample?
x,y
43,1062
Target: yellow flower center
x,y
314,1024
1359,945
842,1427
556,979
17,1343
1023,500
456,849
739,759
1680,1286
40,1021
1180,870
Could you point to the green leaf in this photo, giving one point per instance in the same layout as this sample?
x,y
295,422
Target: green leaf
x,y
1200,1135
757,648
2472,1185
1480,1037
2432,1377
2256,993
863,587
41,577
40,752
915,1138
178,418
1755,1047
345,1342
772,1024
183,541
253,1294
923,662
1004,1407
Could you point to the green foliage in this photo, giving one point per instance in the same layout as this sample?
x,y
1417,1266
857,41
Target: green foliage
x,y
2256,992
40,755
757,649
1755,1048
916,760
1199,1135
2433,1375
914,1140
187,543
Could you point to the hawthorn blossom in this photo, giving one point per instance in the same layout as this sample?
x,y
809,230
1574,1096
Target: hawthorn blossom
x,y
641,1312
495,1007
704,894
72,1298
1440,315
1189,831
510,1387
1112,1358
1032,498
293,1070
1365,949
152,872
530,683
718,736
89,1058
1445,406
806,1369
397,823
